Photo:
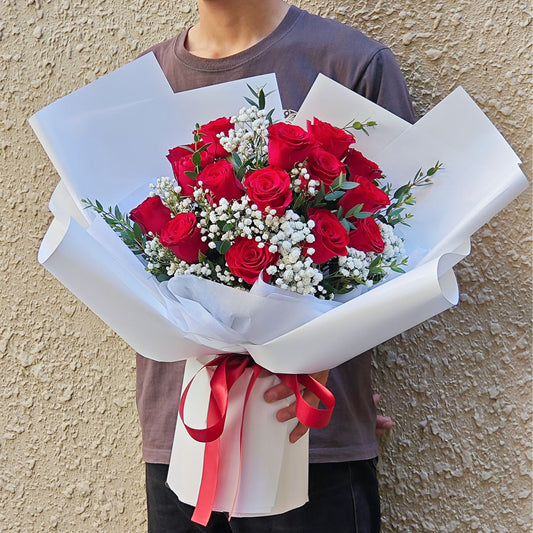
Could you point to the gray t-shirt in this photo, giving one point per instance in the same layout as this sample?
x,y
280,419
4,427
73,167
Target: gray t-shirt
x,y
301,47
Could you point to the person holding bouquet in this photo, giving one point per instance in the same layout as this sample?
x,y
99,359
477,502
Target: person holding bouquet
x,y
236,39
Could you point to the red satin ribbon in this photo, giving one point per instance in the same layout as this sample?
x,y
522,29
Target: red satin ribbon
x,y
228,369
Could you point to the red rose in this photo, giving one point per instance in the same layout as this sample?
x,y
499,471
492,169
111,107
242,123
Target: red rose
x,y
175,154
366,237
331,237
359,165
152,215
366,193
209,133
288,144
184,165
246,260
183,237
332,139
269,187
221,181
324,167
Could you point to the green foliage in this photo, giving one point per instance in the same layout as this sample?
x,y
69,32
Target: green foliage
x,y
404,196
129,231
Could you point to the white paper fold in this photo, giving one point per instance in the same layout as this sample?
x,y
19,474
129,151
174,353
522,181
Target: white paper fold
x,y
108,143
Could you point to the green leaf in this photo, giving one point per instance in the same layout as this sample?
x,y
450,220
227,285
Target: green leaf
x,y
261,99
375,262
340,212
252,91
191,174
404,189
196,159
321,193
337,182
335,195
363,214
300,200
137,231
348,226
354,210
225,246
347,185
251,102
397,269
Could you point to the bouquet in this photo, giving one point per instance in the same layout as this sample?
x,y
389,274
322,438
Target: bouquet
x,y
249,198
106,143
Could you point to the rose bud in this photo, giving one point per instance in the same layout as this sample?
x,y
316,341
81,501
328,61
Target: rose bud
x,y
246,260
334,140
288,144
324,167
209,132
183,237
151,215
365,193
331,237
359,166
269,187
221,181
366,237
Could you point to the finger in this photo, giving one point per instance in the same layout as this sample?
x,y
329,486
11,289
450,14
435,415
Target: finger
x,y
376,398
277,392
289,412
383,423
298,432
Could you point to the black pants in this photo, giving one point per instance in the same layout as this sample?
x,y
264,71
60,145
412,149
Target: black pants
x,y
343,498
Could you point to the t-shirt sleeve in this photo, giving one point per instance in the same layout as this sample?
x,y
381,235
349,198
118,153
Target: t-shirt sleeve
x,y
383,83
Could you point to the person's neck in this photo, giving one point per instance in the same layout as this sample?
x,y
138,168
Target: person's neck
x,y
227,27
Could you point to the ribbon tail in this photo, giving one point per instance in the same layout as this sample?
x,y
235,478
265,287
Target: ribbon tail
x,y
255,373
208,486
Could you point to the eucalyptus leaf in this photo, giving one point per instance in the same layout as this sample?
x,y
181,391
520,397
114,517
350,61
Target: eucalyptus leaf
x,y
347,185
354,210
335,195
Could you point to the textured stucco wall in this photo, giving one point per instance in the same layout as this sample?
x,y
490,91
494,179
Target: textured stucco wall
x,y
459,386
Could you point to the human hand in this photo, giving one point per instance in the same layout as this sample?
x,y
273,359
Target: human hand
x,y
383,423
281,391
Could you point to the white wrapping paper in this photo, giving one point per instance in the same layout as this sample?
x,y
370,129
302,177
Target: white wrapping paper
x,y
108,143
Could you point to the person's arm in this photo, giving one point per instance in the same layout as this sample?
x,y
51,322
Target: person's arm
x,y
383,83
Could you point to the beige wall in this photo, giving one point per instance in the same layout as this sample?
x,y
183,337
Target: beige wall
x,y
459,386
